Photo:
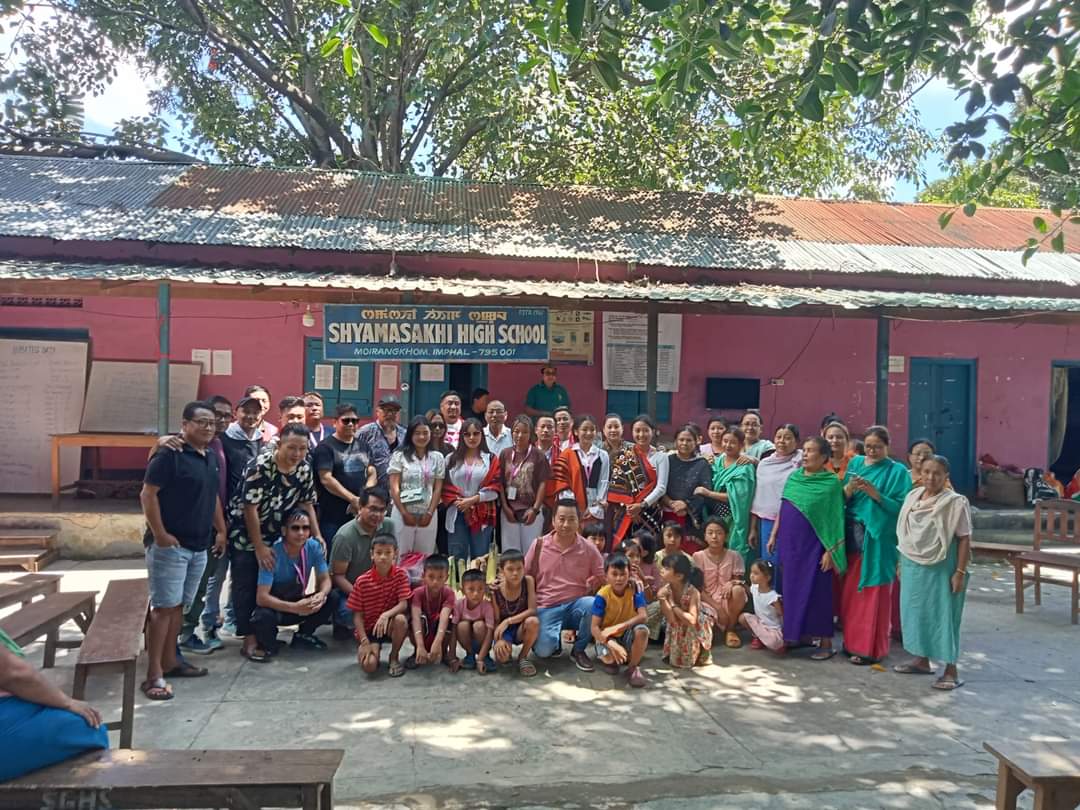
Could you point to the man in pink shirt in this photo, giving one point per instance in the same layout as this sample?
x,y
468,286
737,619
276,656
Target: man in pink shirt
x,y
568,569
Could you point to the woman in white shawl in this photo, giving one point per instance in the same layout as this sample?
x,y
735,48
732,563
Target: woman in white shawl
x,y
934,534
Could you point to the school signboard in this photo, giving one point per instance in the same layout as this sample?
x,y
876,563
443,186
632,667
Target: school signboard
x,y
421,334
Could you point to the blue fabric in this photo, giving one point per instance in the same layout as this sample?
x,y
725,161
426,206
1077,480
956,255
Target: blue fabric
x,y
930,612
219,569
764,530
284,572
576,615
464,544
342,615
599,607
34,736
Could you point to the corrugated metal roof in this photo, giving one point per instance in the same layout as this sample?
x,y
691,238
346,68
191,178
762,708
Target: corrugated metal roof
x,y
370,213
763,296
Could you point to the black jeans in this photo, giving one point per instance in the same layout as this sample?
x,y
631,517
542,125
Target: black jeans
x,y
266,622
245,575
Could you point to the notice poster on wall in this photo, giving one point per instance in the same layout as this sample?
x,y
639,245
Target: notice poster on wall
x,y
572,336
626,351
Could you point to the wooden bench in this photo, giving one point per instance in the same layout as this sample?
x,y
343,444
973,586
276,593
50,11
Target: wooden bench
x,y
1051,770
244,780
22,590
1056,521
112,644
44,617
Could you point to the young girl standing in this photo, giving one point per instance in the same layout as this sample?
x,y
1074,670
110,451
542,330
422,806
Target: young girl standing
x,y
689,621
584,469
722,571
471,493
416,479
766,622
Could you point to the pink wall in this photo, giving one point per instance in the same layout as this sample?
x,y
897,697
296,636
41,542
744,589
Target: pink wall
x,y
833,366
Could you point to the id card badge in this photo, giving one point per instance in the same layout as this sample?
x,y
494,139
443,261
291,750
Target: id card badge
x,y
511,493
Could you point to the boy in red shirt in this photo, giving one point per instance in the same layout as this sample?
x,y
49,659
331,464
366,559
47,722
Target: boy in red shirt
x,y
432,604
379,600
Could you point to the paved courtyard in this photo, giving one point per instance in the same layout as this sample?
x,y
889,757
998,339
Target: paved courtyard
x,y
753,730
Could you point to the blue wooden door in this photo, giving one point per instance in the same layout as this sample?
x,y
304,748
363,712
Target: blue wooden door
x,y
333,394
942,409
460,377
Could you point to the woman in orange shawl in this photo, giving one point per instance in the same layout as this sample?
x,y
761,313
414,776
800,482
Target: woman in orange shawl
x,y
639,476
584,468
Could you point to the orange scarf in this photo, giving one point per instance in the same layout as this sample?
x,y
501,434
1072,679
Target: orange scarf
x,y
568,474
619,494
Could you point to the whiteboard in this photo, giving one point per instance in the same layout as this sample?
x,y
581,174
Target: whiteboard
x,y
122,395
41,393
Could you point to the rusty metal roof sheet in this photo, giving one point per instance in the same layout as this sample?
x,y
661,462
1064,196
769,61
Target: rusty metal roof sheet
x,y
313,209
754,296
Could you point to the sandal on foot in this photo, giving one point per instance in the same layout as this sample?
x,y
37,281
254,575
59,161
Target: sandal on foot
x,y
396,670
186,670
158,690
823,654
911,669
859,661
526,668
947,683
732,640
258,656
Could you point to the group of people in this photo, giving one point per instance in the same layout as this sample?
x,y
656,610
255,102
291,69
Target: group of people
x,y
481,543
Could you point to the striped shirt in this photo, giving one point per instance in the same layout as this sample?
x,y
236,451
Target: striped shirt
x,y
373,595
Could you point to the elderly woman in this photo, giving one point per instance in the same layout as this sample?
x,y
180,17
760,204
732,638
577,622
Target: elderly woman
x,y
875,488
810,534
918,451
934,532
772,474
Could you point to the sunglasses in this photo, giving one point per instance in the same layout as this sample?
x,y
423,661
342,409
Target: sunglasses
x,y
300,527
349,420
438,426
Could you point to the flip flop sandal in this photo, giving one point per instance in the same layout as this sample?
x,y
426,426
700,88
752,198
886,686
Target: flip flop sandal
x,y
823,655
859,661
944,684
258,657
396,670
526,668
157,691
186,670
909,669
732,640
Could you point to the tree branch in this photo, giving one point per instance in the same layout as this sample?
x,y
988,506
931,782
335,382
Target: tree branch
x,y
60,146
452,154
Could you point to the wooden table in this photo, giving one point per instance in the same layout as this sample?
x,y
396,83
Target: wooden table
x,y
1051,770
96,440
239,780
25,588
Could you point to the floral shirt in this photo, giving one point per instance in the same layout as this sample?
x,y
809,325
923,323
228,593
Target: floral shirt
x,y
273,493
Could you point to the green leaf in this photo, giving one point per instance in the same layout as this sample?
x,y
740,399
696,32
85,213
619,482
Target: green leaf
x,y
1028,254
847,78
607,74
809,105
575,17
1040,225
1058,242
656,5
1054,160
969,210
871,85
330,46
348,56
945,218
553,79
376,34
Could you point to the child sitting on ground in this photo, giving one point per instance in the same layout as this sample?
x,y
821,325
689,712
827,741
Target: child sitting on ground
x,y
432,604
672,538
379,600
766,622
618,622
645,575
515,612
722,571
689,621
474,624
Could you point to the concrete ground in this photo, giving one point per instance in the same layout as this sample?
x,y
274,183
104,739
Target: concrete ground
x,y
752,730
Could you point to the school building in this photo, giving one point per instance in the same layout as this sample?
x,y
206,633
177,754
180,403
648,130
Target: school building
x,y
802,307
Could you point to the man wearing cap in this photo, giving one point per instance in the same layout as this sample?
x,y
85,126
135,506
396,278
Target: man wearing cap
x,y
343,468
383,436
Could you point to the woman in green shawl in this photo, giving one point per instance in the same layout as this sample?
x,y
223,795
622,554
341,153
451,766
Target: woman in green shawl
x,y
810,535
875,487
733,485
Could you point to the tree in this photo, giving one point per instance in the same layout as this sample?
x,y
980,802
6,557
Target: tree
x,y
1014,192
445,88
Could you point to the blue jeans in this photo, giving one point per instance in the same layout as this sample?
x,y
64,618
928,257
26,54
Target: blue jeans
x,y
576,615
464,543
343,616
35,736
219,569
763,551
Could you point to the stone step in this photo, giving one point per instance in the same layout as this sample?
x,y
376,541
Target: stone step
x,y
31,559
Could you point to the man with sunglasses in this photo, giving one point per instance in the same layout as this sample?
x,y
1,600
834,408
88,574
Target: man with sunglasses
x,y
350,554
343,467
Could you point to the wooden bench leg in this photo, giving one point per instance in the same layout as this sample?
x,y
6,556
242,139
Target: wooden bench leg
x,y
1038,585
1076,598
78,689
1018,570
127,716
50,648
1008,788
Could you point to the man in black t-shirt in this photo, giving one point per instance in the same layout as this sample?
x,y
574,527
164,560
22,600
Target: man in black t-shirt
x,y
343,468
184,517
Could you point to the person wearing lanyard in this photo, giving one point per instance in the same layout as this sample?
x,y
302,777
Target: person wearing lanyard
x,y
471,493
313,418
416,480
584,469
281,595
525,473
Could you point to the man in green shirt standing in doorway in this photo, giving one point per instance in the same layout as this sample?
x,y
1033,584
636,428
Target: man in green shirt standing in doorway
x,y
546,395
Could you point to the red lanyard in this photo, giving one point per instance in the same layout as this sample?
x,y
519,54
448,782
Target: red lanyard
x,y
515,470
300,569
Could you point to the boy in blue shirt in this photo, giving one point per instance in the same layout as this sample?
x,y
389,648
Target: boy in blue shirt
x,y
619,622
281,596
